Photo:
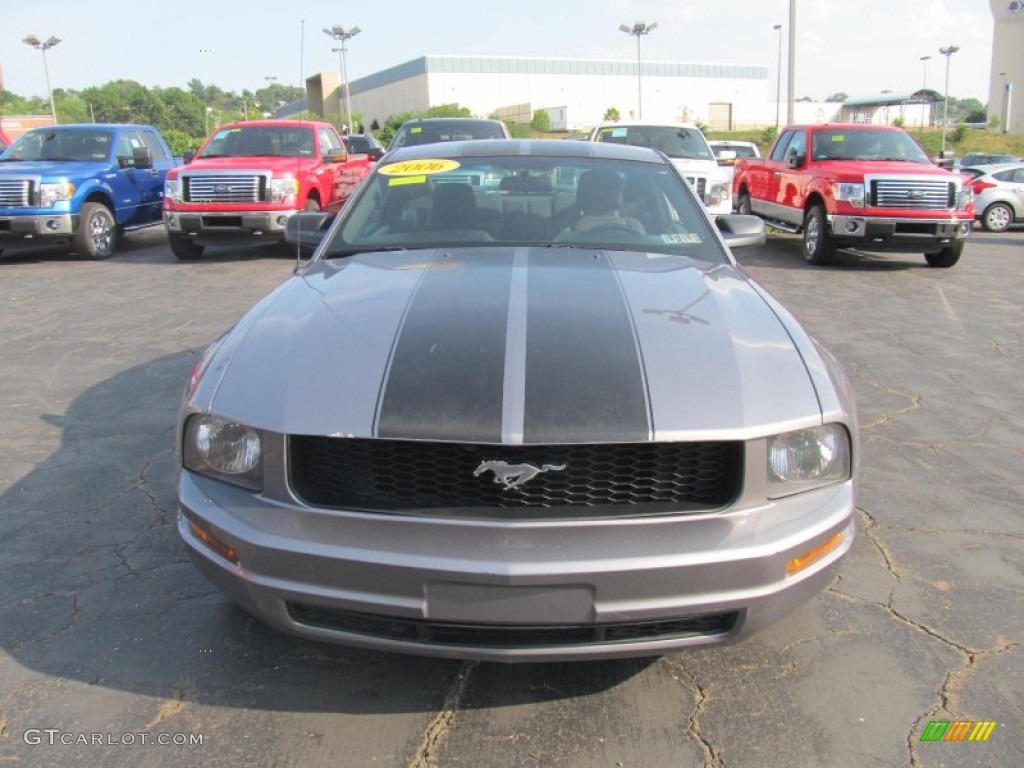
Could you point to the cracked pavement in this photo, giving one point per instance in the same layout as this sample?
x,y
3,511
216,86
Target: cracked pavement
x,y
106,626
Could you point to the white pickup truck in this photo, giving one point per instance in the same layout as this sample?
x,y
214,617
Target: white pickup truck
x,y
686,147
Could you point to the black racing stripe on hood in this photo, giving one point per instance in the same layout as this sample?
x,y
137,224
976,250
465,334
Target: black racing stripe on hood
x,y
447,370
584,376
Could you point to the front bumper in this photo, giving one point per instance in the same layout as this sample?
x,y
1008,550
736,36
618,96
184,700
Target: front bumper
x,y
233,225
31,227
514,591
898,234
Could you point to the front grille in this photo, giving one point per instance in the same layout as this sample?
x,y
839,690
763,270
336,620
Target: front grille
x,y
913,193
223,189
509,635
441,478
15,193
700,185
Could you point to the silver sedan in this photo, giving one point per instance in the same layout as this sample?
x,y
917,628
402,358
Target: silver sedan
x,y
521,405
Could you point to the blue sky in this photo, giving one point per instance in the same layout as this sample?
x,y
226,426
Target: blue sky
x,y
857,46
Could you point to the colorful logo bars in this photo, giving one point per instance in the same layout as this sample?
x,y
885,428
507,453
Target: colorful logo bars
x,y
958,730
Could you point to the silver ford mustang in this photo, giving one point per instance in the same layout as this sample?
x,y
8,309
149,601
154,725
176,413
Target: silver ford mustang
x,y
521,405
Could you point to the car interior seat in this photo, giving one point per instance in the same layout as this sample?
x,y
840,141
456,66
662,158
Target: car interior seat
x,y
453,207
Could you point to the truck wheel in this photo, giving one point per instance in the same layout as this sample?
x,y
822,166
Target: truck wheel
x,y
998,217
945,258
819,247
96,235
184,248
312,205
743,206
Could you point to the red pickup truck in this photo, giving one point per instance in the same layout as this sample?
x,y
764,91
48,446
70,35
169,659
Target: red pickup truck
x,y
868,187
249,177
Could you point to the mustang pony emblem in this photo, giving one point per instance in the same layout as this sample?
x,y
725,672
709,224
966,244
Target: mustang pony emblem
x,y
514,475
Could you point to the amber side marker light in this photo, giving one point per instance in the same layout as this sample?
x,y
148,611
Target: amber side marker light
x,y
813,555
218,546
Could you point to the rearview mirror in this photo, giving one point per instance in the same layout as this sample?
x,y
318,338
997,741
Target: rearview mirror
x,y
741,230
307,229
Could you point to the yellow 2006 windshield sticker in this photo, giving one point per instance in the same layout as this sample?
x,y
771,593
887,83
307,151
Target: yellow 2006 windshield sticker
x,y
416,167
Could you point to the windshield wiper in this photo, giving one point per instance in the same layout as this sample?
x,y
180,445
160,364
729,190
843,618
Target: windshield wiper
x,y
342,253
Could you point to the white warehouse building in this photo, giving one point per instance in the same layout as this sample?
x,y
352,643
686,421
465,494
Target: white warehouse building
x,y
575,92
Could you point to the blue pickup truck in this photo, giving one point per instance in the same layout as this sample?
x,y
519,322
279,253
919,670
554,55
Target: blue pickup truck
x,y
82,184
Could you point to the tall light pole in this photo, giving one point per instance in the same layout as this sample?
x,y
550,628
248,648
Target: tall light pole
x,y
778,79
638,30
40,45
343,35
948,52
924,85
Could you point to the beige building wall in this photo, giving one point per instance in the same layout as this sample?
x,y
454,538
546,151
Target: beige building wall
x,y
1008,58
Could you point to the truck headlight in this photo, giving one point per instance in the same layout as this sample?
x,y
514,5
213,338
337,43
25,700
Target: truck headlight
x,y
965,198
283,188
850,193
52,193
718,192
808,458
224,450
172,190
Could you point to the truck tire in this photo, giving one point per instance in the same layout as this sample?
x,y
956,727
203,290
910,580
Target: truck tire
x,y
743,204
184,248
945,258
312,205
819,248
96,235
997,217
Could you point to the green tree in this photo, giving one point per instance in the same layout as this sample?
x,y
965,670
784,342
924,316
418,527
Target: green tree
x,y
837,96
520,131
541,122
611,115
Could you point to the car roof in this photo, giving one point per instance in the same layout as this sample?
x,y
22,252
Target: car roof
x,y
733,143
414,120
524,147
647,124
988,170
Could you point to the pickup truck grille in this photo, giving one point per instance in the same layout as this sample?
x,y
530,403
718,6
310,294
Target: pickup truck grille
x,y
700,186
449,479
224,188
15,193
913,193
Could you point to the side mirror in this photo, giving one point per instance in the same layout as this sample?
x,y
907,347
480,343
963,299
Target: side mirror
x,y
726,157
307,229
946,159
188,156
142,158
375,154
740,230
795,161
336,156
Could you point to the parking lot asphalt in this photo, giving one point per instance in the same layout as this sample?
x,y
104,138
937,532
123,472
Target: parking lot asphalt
x,y
110,637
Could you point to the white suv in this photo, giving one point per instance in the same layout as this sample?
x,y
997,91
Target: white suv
x,y
688,150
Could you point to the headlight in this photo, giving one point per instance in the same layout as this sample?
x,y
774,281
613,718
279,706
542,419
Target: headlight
x,y
718,192
224,450
172,190
965,198
282,188
850,193
808,458
51,193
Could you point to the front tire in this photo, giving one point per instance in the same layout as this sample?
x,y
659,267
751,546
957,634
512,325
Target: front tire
x,y
997,217
819,247
96,235
945,258
185,249
743,206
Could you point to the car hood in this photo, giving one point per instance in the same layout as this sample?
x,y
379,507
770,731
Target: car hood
x,y
61,168
248,163
514,345
705,167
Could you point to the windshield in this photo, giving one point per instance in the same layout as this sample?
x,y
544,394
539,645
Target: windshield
x,y
410,135
741,150
260,141
526,201
866,144
684,143
66,145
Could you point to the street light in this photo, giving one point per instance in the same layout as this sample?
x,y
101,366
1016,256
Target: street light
x,y
924,85
343,35
638,30
39,45
948,52
778,78
1007,96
